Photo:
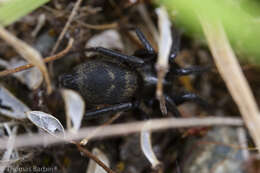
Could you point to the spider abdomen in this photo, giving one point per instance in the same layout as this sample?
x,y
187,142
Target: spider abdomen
x,y
102,82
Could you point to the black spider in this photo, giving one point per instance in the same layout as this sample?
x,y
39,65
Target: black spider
x,y
123,82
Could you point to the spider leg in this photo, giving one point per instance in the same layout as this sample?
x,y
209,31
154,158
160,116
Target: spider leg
x,y
145,42
126,58
191,70
175,48
171,105
187,96
109,110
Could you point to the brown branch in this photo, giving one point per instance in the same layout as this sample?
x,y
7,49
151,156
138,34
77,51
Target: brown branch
x,y
93,157
99,27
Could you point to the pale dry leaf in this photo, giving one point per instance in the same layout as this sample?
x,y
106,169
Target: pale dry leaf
x,y
11,106
46,122
93,167
109,39
146,146
75,107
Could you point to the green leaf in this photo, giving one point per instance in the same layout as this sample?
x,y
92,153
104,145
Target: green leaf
x,y
12,10
240,19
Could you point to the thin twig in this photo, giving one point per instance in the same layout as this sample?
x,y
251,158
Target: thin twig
x,y
93,157
123,129
48,59
99,27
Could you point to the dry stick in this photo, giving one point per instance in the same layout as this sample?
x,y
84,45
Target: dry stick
x,y
123,129
93,157
232,74
88,153
48,59
73,13
99,27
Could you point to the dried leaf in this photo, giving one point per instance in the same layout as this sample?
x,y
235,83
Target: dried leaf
x,y
109,39
75,107
46,122
10,105
146,145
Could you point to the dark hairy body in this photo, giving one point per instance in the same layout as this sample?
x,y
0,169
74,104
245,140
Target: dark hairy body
x,y
103,82
122,82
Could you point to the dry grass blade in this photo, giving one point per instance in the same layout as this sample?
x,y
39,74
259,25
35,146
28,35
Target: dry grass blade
x,y
231,72
28,53
123,129
165,42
